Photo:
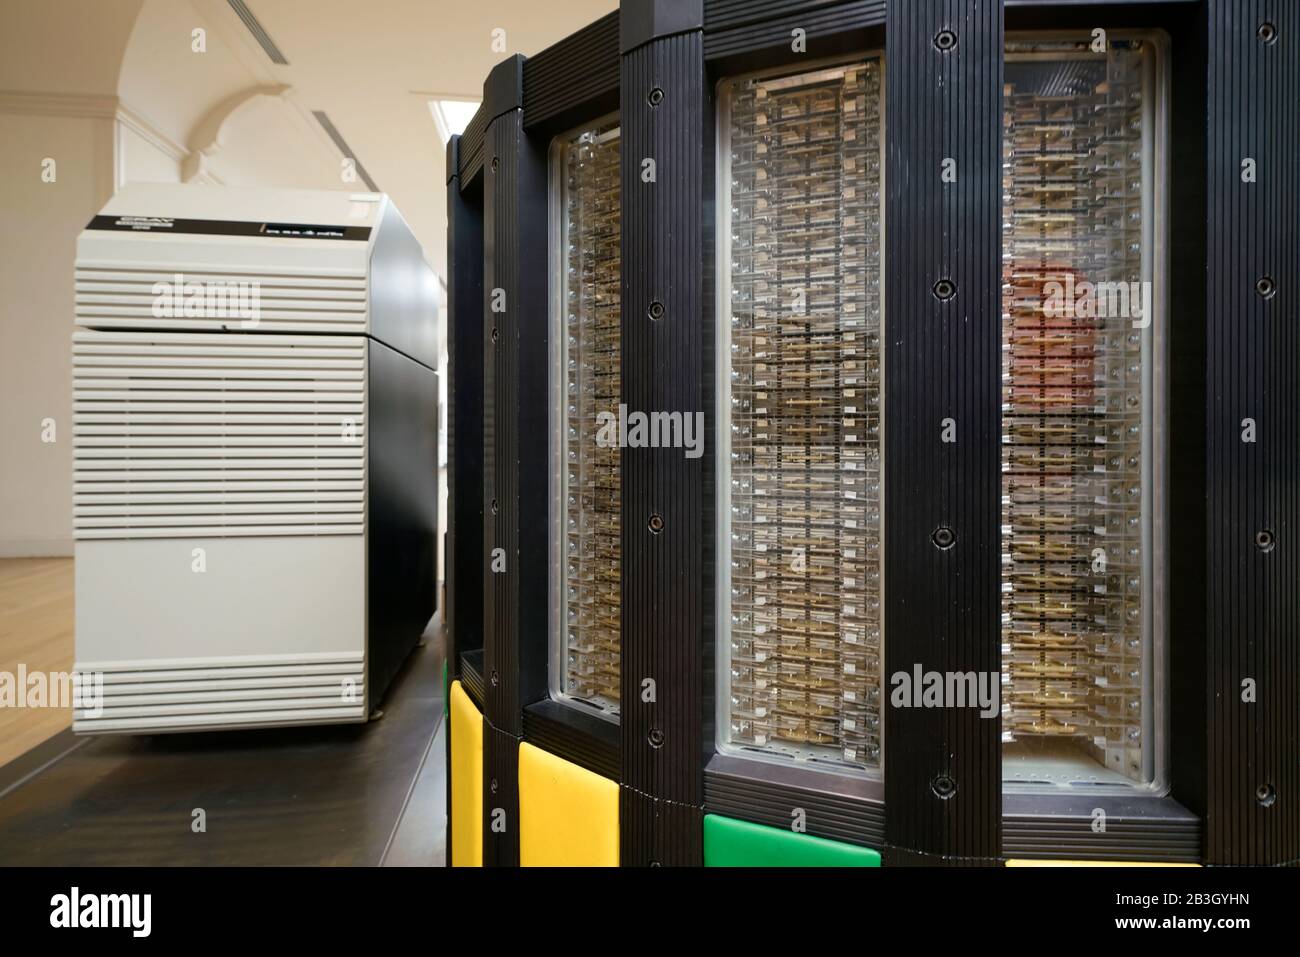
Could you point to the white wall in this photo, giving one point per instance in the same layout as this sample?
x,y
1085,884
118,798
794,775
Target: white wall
x,y
94,150
59,67
39,223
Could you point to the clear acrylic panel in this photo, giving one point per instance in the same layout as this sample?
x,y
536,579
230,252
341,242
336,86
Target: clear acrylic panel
x,y
800,482
587,578
1080,410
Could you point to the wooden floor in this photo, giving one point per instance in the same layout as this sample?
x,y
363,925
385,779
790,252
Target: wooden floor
x,y
353,795
337,794
36,629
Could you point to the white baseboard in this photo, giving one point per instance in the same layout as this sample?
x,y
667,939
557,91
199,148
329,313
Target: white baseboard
x,y
35,547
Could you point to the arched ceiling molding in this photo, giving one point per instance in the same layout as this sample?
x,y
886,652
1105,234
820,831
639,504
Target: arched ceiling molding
x,y
207,138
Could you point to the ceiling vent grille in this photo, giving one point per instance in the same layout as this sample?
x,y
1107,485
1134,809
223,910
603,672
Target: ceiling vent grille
x,y
258,31
332,131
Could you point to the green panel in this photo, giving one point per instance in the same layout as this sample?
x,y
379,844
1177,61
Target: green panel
x,y
732,843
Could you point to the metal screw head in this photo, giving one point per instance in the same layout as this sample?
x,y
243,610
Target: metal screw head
x,y
1265,287
655,310
1265,540
493,785
656,523
493,506
494,679
656,97
496,162
943,787
945,40
1265,795
656,738
495,333
1267,33
944,537
945,289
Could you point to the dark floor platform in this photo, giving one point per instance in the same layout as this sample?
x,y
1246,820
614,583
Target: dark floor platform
x,y
357,795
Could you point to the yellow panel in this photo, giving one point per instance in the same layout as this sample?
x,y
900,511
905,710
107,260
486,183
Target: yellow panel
x,y
1061,863
568,816
466,780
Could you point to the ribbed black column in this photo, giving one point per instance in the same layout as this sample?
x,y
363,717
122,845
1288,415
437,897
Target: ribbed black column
x,y
515,461
665,344
463,615
1252,811
944,100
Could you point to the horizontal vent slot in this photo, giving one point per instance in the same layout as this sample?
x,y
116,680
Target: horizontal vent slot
x,y
217,435
189,669
204,692
289,684
125,295
354,713
118,709
128,270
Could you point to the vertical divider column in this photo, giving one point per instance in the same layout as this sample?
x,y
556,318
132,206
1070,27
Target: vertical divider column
x,y
667,518
1252,778
463,611
942,362
516,466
